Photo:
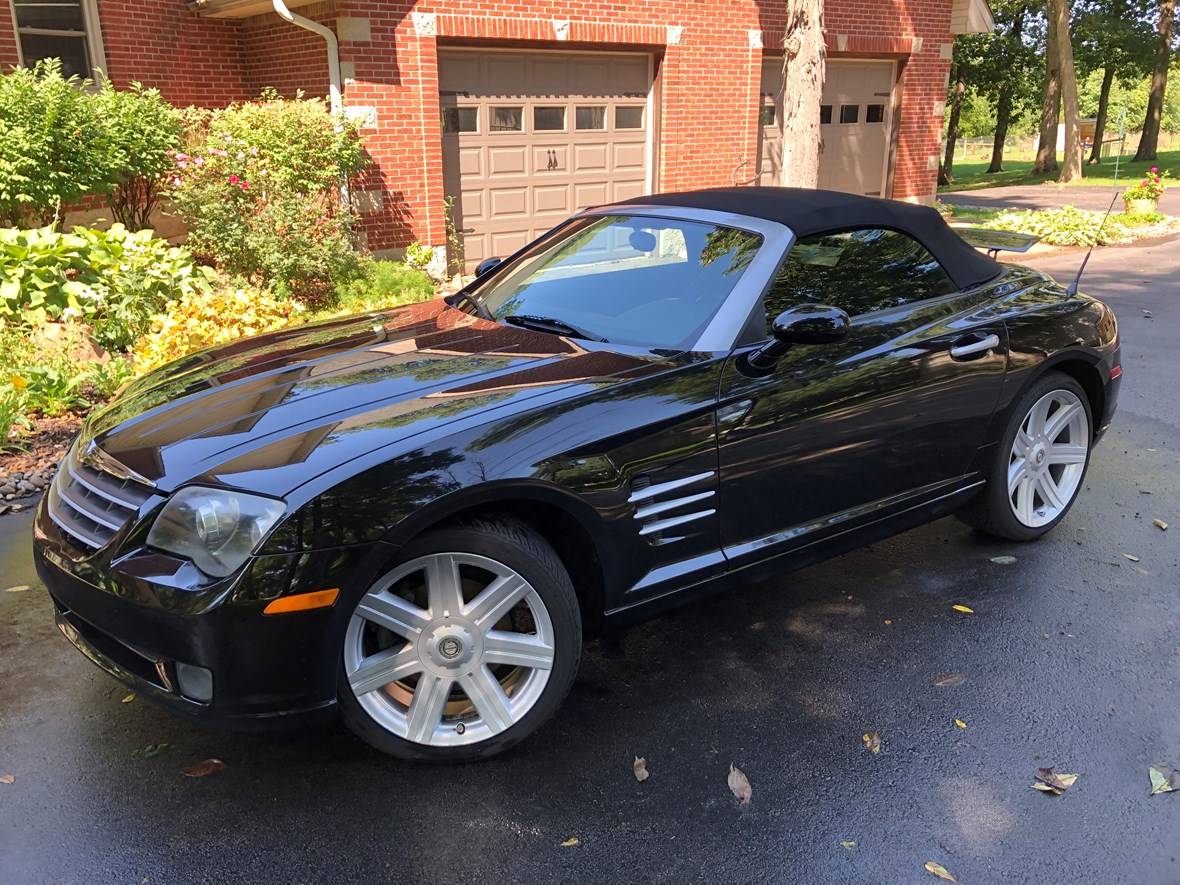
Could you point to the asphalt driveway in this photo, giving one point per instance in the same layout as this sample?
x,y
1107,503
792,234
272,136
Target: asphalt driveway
x,y
1052,196
1070,659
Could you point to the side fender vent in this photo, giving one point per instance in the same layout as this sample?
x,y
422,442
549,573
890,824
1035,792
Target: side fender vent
x,y
660,507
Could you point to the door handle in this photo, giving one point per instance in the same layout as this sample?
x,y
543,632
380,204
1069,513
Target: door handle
x,y
974,346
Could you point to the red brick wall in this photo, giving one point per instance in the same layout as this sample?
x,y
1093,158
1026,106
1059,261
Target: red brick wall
x,y
8,53
285,57
160,43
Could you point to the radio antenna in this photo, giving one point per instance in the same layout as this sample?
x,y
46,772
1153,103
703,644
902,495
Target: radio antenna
x,y
1073,287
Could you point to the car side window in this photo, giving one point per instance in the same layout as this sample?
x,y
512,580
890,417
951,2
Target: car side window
x,y
859,271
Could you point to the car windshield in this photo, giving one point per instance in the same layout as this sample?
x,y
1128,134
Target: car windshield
x,y
652,282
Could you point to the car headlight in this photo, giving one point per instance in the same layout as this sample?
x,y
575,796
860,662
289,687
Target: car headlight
x,y
216,528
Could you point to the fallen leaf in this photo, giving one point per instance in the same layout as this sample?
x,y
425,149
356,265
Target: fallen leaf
x,y
939,870
872,741
128,699
639,766
1131,556
1160,524
1003,560
1049,781
149,751
962,608
19,588
7,778
739,784
960,723
204,769
847,843
571,842
950,680
1161,781
888,621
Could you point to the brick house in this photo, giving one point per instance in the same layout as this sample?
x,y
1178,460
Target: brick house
x,y
520,111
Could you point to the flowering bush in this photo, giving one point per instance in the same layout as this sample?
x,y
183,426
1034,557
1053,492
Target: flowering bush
x,y
1152,186
216,316
259,188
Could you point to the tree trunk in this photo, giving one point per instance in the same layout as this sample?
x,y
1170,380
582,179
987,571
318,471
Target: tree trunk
x,y
1100,120
1003,118
947,173
804,66
1004,103
1071,164
1050,106
1149,141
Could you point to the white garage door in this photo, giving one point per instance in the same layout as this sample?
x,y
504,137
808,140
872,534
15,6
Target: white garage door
x,y
854,124
531,137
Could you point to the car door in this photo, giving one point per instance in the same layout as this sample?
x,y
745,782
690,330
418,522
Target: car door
x,y
889,417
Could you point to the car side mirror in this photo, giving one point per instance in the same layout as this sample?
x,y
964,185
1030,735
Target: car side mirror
x,y
801,324
486,265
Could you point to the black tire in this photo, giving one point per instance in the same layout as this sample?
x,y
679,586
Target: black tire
x,y
517,546
991,512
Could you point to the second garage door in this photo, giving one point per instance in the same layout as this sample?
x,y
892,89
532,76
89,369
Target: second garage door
x,y
531,137
854,124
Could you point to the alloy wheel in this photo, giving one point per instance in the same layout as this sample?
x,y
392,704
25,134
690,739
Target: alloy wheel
x,y
1048,458
449,649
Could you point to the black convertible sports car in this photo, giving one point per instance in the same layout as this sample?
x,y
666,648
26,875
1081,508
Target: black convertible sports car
x,y
414,516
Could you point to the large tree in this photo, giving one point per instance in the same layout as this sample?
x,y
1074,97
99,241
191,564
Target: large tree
x,y
804,66
958,89
1149,141
1071,163
1046,160
1011,55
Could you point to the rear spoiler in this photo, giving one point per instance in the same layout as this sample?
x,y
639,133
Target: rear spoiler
x,y
995,241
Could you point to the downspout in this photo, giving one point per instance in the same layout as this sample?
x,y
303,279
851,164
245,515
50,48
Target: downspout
x,y
335,79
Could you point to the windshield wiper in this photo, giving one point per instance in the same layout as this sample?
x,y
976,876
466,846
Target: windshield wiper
x,y
549,324
482,311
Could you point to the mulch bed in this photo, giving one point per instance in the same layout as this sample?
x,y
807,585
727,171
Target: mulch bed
x,y
28,471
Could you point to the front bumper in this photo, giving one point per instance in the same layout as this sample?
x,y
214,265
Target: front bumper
x,y
267,671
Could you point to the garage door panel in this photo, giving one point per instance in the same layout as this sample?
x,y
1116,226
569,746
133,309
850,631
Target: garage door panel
x,y
527,165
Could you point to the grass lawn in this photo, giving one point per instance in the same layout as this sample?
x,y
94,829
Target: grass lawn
x,y
971,176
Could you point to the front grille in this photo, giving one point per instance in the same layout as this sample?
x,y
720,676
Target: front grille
x,y
90,505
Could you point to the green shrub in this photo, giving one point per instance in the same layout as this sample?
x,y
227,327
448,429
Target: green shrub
x,y
12,415
109,377
259,188
419,255
204,318
113,280
383,284
54,147
143,133
1062,227
55,388
1139,219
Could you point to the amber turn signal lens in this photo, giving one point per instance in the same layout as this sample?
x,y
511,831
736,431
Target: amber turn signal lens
x,y
302,602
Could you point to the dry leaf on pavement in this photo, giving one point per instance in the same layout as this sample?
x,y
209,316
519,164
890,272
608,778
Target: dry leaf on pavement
x,y
964,609
950,680
959,723
1003,560
639,766
939,870
19,588
848,843
1131,556
739,784
1160,524
1050,781
872,741
7,778
128,699
149,751
204,769
1161,780
571,842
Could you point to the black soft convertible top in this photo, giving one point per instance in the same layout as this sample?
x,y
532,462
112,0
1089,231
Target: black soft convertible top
x,y
810,212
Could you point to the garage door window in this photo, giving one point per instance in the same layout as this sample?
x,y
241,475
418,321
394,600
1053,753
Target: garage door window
x,y
629,118
507,119
460,120
875,113
549,119
825,113
849,113
590,117
860,271
766,115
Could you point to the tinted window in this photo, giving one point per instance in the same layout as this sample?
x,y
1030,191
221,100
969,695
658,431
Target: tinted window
x,y
548,119
849,113
654,282
859,271
629,118
825,113
460,119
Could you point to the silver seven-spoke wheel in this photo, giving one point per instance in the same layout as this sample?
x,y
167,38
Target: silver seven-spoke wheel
x,y
449,649
1048,458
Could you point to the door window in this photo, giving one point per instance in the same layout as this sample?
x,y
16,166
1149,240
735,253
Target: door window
x,y
593,117
549,118
849,113
506,119
860,271
629,118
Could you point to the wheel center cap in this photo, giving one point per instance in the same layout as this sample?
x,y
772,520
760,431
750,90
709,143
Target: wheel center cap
x,y
450,647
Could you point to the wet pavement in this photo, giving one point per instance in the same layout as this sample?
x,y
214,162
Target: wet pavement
x,y
1071,659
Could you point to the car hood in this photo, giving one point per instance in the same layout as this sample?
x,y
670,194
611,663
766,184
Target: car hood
x,y
270,413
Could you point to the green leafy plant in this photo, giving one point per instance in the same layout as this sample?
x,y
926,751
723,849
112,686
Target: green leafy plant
x,y
143,133
383,284
108,378
1062,227
419,255
12,416
455,251
1152,186
259,188
112,280
55,388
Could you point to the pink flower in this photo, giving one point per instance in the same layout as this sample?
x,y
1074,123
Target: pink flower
x,y
245,186
1154,169
233,179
